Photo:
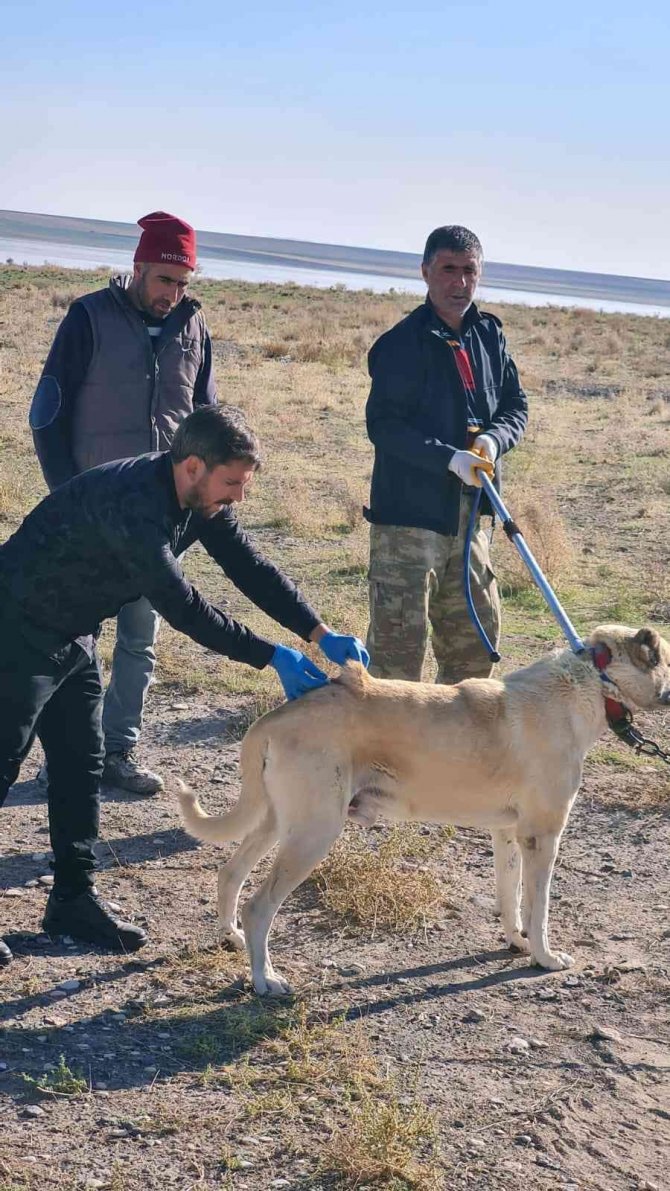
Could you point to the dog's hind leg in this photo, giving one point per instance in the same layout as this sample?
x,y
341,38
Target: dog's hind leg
x,y
234,873
304,845
539,855
507,864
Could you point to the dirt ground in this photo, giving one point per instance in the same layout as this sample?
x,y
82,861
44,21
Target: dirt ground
x,y
534,1079
436,1059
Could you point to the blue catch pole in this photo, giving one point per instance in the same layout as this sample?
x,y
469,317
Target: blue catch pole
x,y
516,537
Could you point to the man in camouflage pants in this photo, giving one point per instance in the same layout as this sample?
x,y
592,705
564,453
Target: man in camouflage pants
x,y
442,381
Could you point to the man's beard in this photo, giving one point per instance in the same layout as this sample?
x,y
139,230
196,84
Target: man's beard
x,y
145,304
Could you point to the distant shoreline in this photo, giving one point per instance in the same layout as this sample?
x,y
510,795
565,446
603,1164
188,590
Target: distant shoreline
x,y
264,258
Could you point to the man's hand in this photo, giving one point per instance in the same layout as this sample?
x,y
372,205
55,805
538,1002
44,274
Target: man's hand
x,y
339,648
297,673
488,445
466,465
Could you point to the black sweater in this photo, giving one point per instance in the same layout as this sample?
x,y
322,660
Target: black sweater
x,y
111,535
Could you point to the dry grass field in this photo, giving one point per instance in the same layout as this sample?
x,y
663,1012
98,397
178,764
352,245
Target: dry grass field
x,y
417,1052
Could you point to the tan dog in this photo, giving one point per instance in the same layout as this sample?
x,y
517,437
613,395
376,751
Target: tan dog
x,y
506,755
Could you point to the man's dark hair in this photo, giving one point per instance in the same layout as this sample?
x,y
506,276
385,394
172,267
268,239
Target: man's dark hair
x,y
453,238
216,434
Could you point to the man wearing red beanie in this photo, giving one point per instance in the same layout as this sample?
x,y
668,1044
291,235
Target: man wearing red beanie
x,y
128,363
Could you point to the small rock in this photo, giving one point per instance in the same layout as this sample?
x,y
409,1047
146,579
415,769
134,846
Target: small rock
x,y
94,1184
280,1183
69,985
474,1016
32,884
13,892
40,856
537,1044
523,1139
606,1034
243,1163
548,994
33,1110
114,907
162,1000
352,970
46,879
477,1143
178,706
518,1045
3,1066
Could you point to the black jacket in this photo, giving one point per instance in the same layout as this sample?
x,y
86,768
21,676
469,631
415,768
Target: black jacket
x,y
417,414
111,535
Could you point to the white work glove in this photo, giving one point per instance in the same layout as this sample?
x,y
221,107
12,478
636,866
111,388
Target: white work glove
x,y
488,444
466,465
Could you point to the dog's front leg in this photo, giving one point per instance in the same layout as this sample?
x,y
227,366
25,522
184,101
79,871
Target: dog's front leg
x,y
539,855
507,864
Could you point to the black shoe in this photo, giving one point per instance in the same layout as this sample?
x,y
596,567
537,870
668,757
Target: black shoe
x,y
87,917
6,956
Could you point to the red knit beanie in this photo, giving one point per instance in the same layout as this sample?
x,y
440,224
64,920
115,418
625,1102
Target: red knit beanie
x,y
166,240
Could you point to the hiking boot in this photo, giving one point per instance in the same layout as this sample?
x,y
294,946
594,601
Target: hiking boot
x,y
124,771
6,956
86,916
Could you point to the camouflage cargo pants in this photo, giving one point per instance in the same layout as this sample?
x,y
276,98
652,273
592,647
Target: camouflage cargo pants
x,y
416,581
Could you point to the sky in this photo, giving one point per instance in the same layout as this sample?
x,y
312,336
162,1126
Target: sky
x,y
544,128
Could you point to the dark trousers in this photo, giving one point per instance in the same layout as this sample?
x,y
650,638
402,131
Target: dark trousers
x,y
59,698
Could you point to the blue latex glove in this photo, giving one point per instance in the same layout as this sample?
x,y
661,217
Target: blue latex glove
x,y
339,648
297,673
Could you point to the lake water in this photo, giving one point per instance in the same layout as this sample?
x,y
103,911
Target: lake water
x,y
82,256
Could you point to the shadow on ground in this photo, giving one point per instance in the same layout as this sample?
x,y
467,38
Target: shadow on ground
x,y
187,1037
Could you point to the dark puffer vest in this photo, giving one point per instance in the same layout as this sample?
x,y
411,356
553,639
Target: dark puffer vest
x,y
133,398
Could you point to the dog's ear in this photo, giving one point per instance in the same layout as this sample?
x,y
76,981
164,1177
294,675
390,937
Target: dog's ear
x,y
645,649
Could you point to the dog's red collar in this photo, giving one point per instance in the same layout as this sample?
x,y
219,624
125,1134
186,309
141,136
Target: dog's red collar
x,y
617,713
619,718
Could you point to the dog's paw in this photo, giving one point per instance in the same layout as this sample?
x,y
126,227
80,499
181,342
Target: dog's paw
x,y
519,943
233,939
272,986
554,961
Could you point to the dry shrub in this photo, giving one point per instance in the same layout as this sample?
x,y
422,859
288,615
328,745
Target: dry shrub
x,y
378,889
321,1069
379,1144
15,496
61,300
541,523
276,349
310,509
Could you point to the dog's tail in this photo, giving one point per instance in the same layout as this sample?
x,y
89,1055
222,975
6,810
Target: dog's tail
x,y
250,807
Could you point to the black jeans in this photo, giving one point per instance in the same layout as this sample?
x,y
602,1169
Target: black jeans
x,y
57,696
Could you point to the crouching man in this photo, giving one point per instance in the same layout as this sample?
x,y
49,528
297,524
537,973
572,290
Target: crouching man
x,y
109,536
